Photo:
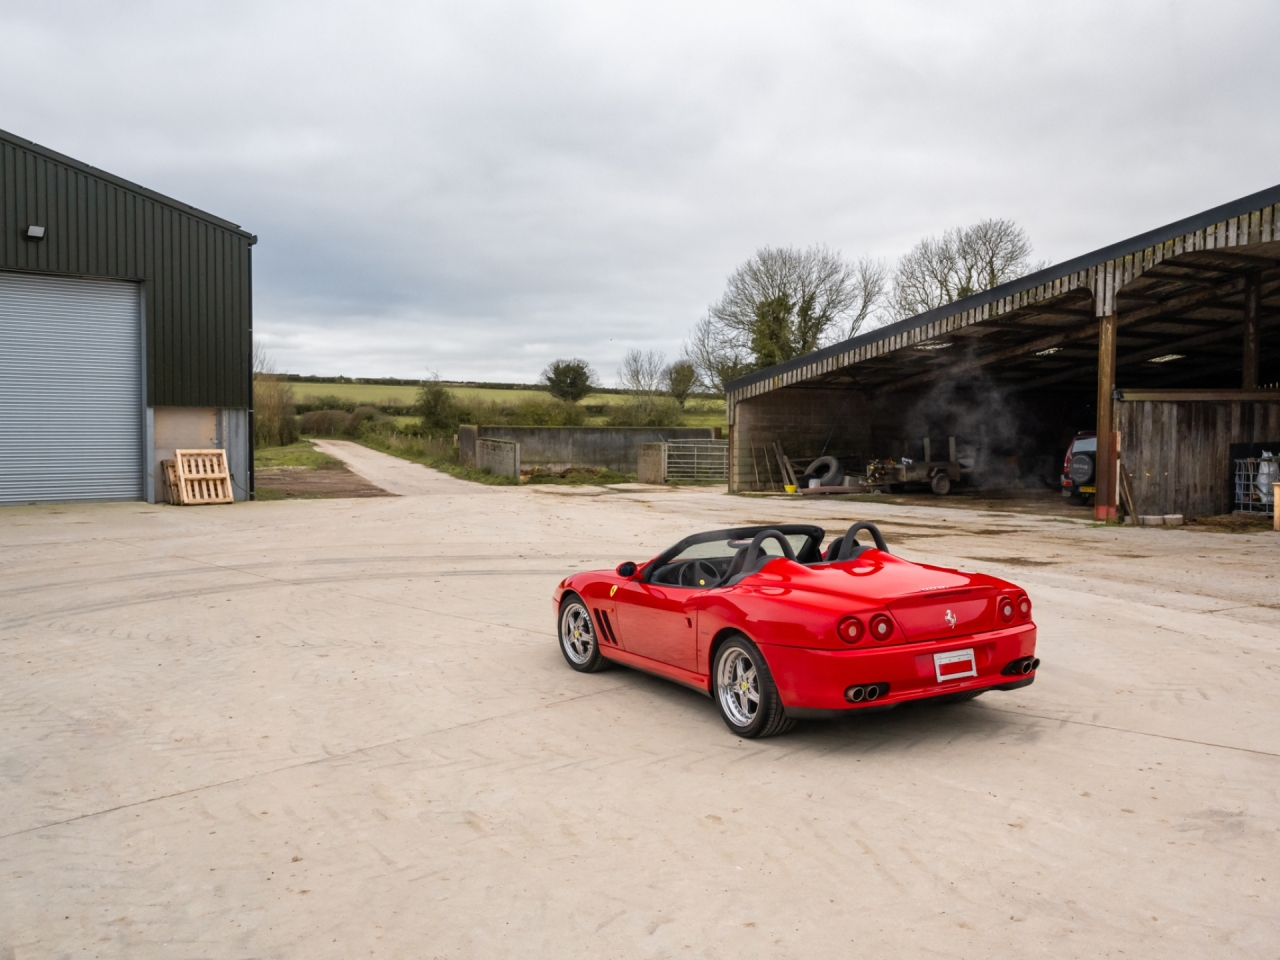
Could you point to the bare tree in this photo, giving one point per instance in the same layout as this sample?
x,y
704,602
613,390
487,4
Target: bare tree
x,y
871,281
960,263
274,416
642,372
262,362
780,304
717,353
825,297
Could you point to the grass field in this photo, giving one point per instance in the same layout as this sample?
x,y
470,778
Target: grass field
x,y
301,454
698,413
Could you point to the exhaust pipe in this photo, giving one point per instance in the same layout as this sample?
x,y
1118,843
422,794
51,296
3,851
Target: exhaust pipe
x,y
856,694
873,691
1020,667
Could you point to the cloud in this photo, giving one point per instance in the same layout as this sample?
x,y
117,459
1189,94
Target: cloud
x,y
478,188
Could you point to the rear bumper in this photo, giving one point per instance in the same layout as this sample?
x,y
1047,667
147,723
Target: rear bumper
x,y
815,680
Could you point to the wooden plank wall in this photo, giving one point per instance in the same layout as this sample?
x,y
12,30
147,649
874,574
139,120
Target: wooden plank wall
x,y
1177,454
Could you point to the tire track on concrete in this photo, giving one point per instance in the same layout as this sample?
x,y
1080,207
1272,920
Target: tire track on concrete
x,y
314,761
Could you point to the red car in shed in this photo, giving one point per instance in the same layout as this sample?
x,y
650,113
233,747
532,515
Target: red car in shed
x,y
773,628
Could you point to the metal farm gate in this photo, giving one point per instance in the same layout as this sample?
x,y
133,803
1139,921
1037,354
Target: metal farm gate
x,y
697,461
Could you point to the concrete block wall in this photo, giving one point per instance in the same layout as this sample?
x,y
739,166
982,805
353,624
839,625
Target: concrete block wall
x,y
467,445
651,463
611,448
499,457
803,420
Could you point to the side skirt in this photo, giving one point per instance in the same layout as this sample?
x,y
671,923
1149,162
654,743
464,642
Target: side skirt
x,y
686,678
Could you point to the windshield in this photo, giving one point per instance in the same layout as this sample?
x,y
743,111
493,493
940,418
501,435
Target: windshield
x,y
1085,445
726,548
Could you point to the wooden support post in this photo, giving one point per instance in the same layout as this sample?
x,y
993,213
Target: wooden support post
x,y
1104,500
927,457
951,449
1252,309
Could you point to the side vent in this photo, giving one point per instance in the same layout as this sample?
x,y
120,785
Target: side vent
x,y
605,627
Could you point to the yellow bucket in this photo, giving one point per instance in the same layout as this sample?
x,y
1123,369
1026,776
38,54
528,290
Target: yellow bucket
x,y
789,487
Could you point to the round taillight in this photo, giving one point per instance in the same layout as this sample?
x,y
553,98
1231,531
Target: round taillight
x,y
881,627
1024,608
1005,606
850,629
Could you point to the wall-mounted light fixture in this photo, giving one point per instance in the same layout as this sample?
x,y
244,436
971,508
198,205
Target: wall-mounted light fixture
x,y
35,233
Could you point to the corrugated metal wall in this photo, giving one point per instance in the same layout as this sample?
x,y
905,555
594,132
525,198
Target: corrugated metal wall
x,y
195,268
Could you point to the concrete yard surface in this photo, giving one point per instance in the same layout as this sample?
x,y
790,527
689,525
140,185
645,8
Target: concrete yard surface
x,y
342,728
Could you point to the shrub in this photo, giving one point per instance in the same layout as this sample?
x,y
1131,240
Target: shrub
x,y
363,417
274,421
325,423
439,409
655,412
328,402
549,412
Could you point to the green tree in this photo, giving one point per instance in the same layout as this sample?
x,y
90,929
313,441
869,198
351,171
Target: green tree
x,y
569,380
681,377
439,409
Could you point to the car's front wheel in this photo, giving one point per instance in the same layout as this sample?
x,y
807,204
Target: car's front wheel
x,y
578,636
745,693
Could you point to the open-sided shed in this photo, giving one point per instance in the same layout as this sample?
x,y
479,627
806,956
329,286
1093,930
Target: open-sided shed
x,y
1164,344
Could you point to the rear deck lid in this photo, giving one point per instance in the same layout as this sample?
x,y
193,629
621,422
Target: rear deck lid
x,y
939,614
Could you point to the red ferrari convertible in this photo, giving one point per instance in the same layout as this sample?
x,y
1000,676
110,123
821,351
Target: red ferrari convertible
x,y
773,628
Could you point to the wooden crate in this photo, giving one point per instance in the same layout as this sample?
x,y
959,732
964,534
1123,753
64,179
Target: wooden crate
x,y
202,476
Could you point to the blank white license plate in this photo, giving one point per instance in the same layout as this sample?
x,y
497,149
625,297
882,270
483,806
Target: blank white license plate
x,y
954,665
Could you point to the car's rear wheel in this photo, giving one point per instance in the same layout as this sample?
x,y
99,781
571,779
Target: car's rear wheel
x,y
578,636
745,693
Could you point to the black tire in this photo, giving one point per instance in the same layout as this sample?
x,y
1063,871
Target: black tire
x,y
581,649
827,471
940,484
741,662
959,697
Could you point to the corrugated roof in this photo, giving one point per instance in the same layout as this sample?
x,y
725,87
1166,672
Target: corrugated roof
x,y
1067,268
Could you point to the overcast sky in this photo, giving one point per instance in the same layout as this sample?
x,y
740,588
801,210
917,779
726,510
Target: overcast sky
x,y
475,189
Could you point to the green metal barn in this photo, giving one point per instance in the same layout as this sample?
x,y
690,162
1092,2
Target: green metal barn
x,y
126,331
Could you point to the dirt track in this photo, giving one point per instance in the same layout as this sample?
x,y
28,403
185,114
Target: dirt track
x,y
341,728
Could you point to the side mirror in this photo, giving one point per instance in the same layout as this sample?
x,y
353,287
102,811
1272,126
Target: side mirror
x,y
627,569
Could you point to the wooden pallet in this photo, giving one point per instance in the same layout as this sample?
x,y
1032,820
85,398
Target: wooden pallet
x,y
170,474
201,477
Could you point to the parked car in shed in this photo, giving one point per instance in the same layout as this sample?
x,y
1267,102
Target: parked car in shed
x,y
1079,467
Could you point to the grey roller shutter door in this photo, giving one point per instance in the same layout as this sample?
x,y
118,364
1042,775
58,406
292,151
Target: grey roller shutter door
x,y
70,389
